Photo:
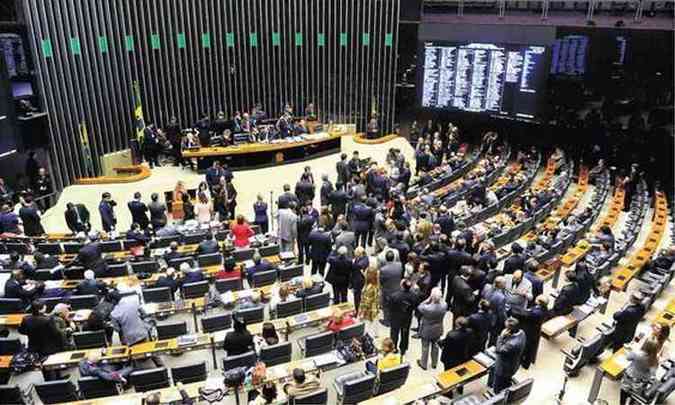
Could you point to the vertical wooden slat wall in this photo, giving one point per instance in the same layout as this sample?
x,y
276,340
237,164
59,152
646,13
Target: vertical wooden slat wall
x,y
321,56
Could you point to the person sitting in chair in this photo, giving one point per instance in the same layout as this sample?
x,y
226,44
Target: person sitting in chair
x,y
388,358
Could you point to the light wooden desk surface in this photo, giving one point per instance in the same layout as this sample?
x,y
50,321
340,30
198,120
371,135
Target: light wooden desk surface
x,y
450,379
318,315
71,358
5,362
411,391
557,325
255,147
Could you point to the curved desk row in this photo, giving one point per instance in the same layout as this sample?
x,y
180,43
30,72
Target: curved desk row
x,y
257,155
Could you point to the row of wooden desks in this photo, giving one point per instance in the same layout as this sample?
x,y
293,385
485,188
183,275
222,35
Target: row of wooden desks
x,y
624,274
116,354
14,320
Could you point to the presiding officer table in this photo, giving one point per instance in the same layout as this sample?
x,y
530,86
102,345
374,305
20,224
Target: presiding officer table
x,y
257,155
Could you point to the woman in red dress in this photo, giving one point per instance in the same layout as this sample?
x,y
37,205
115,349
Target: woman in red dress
x,y
241,231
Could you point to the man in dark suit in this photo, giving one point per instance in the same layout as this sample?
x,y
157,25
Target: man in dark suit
x,y
139,211
90,256
44,337
568,297
45,261
404,301
30,216
586,282
509,349
208,245
285,199
445,221
362,220
106,209
77,218
626,321
304,190
481,323
9,221
531,321
437,262
455,259
26,290
305,224
168,279
90,286
457,344
157,212
320,246
516,261
213,174
342,168
355,165
460,295
326,189
531,275
338,201
172,253
339,273
259,265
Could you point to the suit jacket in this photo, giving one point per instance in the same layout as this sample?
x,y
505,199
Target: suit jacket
x,y
343,172
513,263
404,303
287,227
126,320
43,335
193,276
74,223
238,343
14,289
568,297
339,272
107,215
431,320
90,287
91,257
461,297
31,221
481,323
627,320
326,189
157,214
285,200
139,213
586,283
320,245
509,350
537,284
9,222
346,239
207,246
338,201
446,223
305,224
165,281
456,347
362,217
391,274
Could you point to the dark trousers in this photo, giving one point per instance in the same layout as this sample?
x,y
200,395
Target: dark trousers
x,y
339,294
318,267
153,158
402,332
499,382
357,298
303,251
361,238
264,226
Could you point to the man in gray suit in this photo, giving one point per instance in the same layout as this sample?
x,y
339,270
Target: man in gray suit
x,y
157,212
391,274
344,237
509,348
287,230
126,320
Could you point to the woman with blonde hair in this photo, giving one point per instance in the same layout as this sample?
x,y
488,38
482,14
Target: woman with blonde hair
x,y
204,209
369,309
179,191
640,371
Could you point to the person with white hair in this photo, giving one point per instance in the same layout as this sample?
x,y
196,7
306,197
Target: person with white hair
x,y
191,274
90,286
432,312
339,273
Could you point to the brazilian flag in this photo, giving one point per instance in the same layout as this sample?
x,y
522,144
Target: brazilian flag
x,y
86,150
138,114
